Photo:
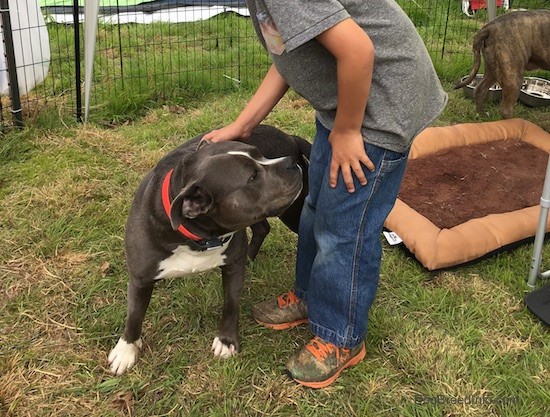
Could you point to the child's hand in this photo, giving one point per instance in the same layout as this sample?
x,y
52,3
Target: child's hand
x,y
348,156
230,132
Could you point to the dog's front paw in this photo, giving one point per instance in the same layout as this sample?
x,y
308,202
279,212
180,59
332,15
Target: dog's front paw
x,y
124,355
222,349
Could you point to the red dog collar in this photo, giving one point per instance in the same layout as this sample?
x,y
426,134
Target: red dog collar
x,y
167,204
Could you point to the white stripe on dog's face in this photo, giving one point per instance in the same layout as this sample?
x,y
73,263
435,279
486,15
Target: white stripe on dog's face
x,y
262,161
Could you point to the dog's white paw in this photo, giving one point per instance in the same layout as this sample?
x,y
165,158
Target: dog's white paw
x,y
124,355
222,350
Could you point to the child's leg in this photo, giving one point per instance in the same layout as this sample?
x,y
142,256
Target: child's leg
x,y
344,267
319,159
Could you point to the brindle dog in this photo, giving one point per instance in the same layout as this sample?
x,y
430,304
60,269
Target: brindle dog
x,y
511,44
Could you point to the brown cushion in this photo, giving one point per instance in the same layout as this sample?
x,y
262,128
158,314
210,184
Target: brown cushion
x,y
470,190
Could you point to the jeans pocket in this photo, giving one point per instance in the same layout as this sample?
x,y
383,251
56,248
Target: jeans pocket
x,y
392,160
390,169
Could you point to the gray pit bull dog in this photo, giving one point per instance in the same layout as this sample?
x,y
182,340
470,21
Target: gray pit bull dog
x,y
190,214
511,44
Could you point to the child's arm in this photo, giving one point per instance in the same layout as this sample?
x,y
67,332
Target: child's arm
x,y
268,94
354,53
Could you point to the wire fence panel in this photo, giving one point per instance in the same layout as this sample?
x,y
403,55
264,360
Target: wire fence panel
x,y
160,51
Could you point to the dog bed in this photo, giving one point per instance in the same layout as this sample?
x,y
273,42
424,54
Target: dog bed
x,y
471,190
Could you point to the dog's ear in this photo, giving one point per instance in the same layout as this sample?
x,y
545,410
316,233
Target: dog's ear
x,y
190,203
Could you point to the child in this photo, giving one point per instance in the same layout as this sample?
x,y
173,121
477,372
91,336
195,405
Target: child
x,y
365,70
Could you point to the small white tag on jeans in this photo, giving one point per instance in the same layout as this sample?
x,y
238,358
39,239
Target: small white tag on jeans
x,y
392,238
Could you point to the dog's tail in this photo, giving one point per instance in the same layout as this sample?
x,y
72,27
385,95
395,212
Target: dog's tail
x,y
479,39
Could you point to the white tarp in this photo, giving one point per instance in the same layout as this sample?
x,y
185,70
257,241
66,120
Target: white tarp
x,y
31,46
173,15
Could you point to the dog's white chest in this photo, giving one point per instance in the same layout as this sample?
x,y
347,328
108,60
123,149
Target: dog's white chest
x,y
185,260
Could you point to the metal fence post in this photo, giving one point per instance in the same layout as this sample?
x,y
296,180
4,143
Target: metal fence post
x,y
16,109
491,9
77,73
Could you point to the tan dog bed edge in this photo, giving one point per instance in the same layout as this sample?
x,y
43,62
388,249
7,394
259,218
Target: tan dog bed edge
x,y
437,248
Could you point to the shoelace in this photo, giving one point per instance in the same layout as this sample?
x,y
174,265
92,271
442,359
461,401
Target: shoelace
x,y
287,299
321,349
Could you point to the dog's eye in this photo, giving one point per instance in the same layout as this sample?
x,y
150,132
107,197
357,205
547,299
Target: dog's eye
x,y
253,176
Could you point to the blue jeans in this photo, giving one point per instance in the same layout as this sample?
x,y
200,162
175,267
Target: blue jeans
x,y
339,247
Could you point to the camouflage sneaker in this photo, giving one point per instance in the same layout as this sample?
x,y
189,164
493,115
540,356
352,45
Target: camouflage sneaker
x,y
319,363
284,312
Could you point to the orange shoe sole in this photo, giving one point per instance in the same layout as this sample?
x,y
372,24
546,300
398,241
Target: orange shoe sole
x,y
322,384
283,326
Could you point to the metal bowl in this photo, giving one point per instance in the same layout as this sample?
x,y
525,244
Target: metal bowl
x,y
494,94
535,92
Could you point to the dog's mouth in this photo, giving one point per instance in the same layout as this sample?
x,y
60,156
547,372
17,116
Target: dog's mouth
x,y
300,188
297,195
301,185
278,212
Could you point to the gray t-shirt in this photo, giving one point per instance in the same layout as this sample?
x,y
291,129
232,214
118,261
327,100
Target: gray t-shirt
x,y
406,95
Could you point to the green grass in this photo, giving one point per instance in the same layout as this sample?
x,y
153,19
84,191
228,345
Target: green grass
x,y
64,196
